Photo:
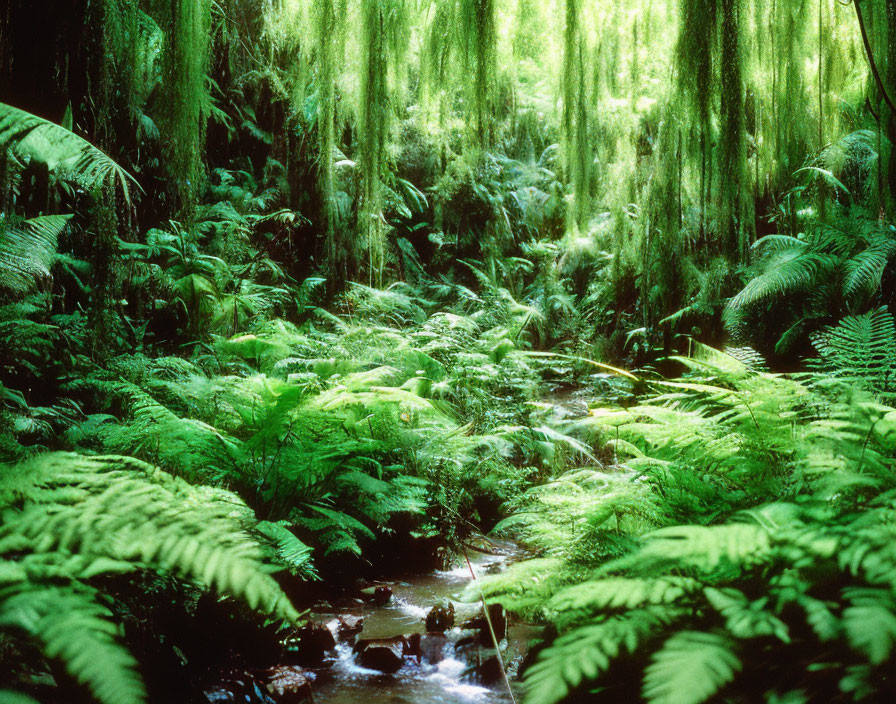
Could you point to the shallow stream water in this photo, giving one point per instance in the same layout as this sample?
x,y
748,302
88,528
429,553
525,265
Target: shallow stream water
x,y
447,682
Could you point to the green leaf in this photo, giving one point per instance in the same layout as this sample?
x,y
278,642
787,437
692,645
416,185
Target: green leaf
x,y
690,668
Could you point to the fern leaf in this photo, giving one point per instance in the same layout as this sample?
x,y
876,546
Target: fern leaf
x,y
861,348
621,593
585,653
9,697
870,622
690,668
786,272
865,270
28,250
701,547
73,627
746,619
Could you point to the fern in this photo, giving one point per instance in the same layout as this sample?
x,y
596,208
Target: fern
x,y
690,667
72,626
864,271
860,348
28,250
68,519
289,550
577,603
870,622
745,576
785,273
838,262
582,655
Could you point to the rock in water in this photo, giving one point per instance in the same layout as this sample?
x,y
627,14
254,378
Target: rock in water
x,y
440,618
349,627
489,671
287,685
378,595
310,643
240,688
383,654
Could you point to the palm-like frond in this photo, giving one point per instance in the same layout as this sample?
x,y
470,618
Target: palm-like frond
x,y
65,154
785,272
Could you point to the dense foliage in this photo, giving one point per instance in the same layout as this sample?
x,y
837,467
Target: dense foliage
x,y
291,289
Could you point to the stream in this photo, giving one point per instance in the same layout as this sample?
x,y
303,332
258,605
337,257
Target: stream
x,y
454,679
447,682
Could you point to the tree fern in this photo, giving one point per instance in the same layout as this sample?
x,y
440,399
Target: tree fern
x,y
786,272
865,270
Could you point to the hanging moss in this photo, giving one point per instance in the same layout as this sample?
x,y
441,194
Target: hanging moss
x,y
329,21
383,43
696,80
890,9
461,53
731,140
183,106
577,148
480,30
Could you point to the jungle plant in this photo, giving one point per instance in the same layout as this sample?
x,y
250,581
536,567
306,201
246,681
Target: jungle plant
x,y
69,520
745,522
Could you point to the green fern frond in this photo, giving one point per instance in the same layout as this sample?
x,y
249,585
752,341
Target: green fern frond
x,y
73,627
584,654
690,668
576,603
743,618
699,547
290,551
28,250
785,273
865,270
67,519
9,697
870,622
860,348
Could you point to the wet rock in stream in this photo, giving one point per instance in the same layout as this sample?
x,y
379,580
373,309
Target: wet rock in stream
x,y
310,644
378,595
276,685
288,685
383,654
428,647
480,623
440,618
348,628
